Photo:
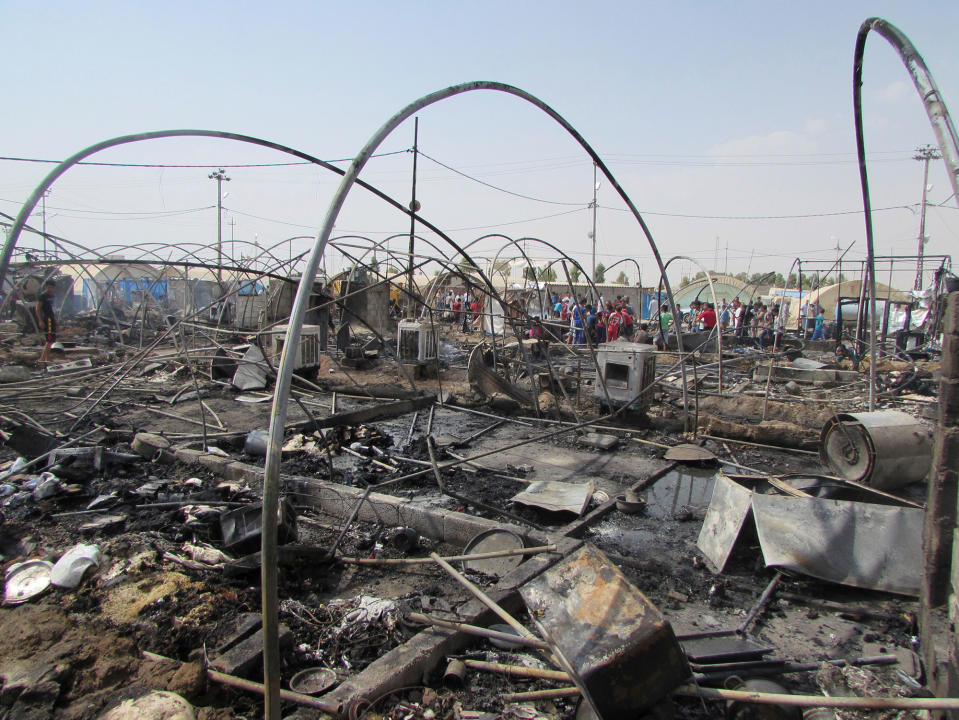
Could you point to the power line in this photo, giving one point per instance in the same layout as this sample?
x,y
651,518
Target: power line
x,y
759,217
518,222
496,187
158,213
10,158
272,220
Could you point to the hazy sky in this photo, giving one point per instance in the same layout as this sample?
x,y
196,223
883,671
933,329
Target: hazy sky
x,y
718,119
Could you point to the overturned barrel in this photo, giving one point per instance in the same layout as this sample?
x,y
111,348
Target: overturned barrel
x,y
885,449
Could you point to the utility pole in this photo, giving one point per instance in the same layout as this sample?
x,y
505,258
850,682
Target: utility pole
x,y
232,239
43,205
592,235
414,208
924,154
219,176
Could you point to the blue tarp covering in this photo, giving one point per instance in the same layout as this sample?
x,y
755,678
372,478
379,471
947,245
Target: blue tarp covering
x,y
651,304
250,288
157,288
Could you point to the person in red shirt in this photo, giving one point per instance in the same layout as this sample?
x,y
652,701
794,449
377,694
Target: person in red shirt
x,y
707,316
613,324
474,311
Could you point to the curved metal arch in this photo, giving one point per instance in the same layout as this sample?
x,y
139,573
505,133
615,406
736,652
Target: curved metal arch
x,y
639,271
942,126
237,271
719,332
529,263
284,376
31,202
417,296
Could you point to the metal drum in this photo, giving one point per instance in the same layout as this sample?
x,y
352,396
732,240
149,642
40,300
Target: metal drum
x,y
884,449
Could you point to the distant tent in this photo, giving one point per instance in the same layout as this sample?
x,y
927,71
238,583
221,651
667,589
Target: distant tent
x,y
829,295
727,287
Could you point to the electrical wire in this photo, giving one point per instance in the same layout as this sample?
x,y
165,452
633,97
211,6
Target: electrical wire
x,y
758,217
145,214
10,158
496,187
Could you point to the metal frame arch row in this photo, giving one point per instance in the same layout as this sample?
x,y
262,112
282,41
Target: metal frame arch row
x,y
563,257
31,202
942,126
271,471
679,340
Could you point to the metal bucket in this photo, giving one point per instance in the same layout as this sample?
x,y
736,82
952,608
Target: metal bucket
x,y
884,449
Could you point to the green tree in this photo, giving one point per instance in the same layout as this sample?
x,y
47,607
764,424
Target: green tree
x,y
684,280
547,274
574,274
621,278
599,274
529,272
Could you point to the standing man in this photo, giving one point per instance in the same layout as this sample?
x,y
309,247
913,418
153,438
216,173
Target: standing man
x,y
46,319
817,333
665,321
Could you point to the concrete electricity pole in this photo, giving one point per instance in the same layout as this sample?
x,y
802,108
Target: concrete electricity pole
x,y
592,235
43,200
924,154
219,176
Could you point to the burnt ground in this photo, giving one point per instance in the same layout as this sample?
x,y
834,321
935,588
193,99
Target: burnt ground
x,y
74,653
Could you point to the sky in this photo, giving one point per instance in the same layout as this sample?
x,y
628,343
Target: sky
x,y
729,125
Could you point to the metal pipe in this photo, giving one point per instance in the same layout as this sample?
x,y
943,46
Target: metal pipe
x,y
518,670
271,654
479,631
942,126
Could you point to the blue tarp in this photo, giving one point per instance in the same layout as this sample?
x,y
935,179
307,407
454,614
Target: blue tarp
x,y
651,304
157,288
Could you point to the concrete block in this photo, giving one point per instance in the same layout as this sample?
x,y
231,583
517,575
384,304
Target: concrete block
x,y
600,441
246,657
187,456
950,314
955,563
949,362
237,471
949,400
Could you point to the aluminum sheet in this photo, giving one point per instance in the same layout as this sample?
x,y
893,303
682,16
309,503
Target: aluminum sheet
x,y
877,547
728,510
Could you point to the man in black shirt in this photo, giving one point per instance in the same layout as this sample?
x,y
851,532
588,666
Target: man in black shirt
x,y
46,319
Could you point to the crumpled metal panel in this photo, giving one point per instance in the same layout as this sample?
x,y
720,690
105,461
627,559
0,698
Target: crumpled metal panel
x,y
728,510
557,496
616,640
878,547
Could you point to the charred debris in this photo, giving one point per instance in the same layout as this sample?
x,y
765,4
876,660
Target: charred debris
x,y
229,491
473,523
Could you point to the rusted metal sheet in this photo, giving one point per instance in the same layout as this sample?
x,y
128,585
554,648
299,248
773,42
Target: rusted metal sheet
x,y
728,510
616,640
885,449
557,496
687,452
878,547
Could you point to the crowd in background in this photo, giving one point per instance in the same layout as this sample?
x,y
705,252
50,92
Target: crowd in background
x,y
599,322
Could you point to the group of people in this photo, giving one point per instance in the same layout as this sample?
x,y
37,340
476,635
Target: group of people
x,y
595,323
461,310
763,323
